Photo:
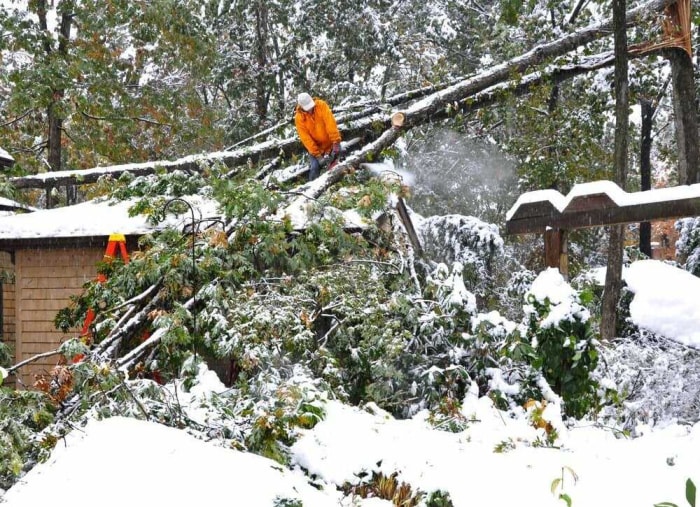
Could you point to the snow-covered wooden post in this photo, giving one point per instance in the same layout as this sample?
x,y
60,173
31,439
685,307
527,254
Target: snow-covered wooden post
x,y
594,204
536,212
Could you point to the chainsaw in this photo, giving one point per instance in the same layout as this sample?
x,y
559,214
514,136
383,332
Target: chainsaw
x,y
330,160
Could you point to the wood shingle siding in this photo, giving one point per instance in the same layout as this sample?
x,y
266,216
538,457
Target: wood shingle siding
x,y
7,278
45,281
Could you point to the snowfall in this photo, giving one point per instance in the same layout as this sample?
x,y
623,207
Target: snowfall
x,y
123,462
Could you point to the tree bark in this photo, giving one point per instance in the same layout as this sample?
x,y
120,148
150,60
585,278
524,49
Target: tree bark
x,y
54,118
686,115
645,170
613,275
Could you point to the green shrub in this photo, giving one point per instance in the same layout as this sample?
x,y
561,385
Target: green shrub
x,y
562,345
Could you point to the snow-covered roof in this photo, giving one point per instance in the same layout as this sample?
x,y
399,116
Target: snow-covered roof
x,y
93,218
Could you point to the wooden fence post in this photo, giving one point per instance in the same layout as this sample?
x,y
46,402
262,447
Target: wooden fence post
x,y
556,253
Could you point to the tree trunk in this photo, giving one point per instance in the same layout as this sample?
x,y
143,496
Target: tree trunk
x,y
261,57
54,117
645,170
686,115
613,276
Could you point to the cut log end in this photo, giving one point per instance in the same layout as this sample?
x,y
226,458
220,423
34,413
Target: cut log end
x,y
398,119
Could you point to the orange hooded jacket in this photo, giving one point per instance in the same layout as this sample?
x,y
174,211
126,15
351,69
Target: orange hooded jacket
x,y
317,128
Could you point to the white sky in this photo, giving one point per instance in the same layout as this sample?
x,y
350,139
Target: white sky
x,y
122,461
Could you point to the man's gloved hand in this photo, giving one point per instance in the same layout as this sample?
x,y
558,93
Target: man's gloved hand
x,y
335,150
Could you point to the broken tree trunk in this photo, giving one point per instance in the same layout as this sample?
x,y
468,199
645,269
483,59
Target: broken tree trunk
x,y
298,209
686,115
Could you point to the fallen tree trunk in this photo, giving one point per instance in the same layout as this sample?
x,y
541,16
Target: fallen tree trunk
x,y
364,125
313,190
298,210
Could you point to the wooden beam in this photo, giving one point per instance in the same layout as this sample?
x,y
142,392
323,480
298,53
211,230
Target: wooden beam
x,y
667,210
598,209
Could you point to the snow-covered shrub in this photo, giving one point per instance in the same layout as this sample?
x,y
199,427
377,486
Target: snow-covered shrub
x,y
475,244
561,343
652,378
688,244
23,414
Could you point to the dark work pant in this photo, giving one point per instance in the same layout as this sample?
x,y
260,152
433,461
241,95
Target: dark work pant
x,y
314,168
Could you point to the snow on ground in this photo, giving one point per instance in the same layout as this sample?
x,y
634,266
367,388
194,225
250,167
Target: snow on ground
x,y
121,461
666,300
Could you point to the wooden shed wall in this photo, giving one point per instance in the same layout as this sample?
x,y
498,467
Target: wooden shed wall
x,y
7,275
45,280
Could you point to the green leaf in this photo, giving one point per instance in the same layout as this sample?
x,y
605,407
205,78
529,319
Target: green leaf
x,y
566,498
690,492
665,504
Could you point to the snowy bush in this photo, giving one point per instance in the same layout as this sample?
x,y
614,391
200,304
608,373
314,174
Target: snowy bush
x,y
654,379
467,240
23,414
560,341
688,244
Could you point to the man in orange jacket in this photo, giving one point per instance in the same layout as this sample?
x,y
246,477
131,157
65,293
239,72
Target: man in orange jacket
x,y
317,130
